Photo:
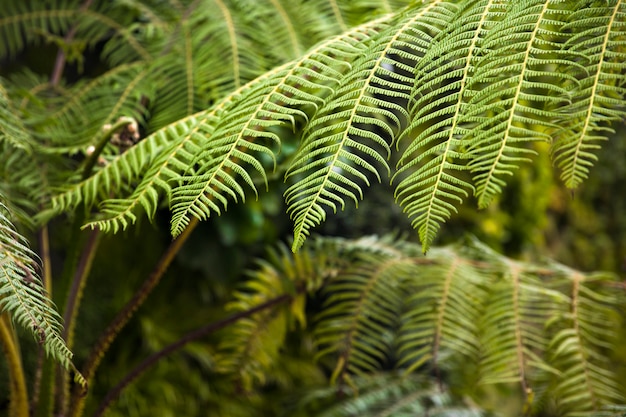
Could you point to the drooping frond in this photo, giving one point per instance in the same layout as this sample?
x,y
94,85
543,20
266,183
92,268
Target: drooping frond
x,y
361,309
442,312
23,296
221,142
383,306
356,126
389,395
515,91
431,187
466,88
282,103
580,347
514,344
598,99
250,348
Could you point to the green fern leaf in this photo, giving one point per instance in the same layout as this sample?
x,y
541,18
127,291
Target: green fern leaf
x,y
514,343
29,20
247,131
23,296
84,110
588,381
599,99
124,169
355,127
438,101
12,129
386,395
516,92
442,312
251,347
362,306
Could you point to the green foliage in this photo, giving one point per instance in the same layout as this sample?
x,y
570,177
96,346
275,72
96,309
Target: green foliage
x,y
544,327
22,294
446,98
462,88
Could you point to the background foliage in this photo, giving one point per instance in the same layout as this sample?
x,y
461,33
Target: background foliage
x,y
111,110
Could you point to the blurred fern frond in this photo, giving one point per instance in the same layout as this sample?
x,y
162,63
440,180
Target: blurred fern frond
x,y
470,317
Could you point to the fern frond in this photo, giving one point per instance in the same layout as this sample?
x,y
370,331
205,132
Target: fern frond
x,y
29,20
247,131
361,309
110,22
231,58
440,96
598,100
31,23
12,129
581,347
442,312
84,111
386,395
250,348
514,343
219,141
23,296
356,126
518,85
119,173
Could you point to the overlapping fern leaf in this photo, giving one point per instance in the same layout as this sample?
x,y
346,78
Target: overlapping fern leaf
x,y
251,347
468,316
582,338
22,293
442,313
236,132
354,129
515,341
389,394
516,88
597,100
438,101
465,88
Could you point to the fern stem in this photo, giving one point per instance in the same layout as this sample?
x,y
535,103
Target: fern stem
x,y
189,337
121,319
18,393
71,310
44,248
60,61
46,279
76,291
36,394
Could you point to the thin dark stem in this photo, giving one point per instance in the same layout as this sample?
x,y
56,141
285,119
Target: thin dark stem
x,y
46,278
121,319
189,337
61,59
74,296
